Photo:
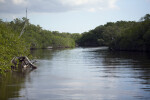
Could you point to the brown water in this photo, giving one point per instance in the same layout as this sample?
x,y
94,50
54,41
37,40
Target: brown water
x,y
81,74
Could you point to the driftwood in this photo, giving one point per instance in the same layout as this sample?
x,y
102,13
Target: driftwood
x,y
22,64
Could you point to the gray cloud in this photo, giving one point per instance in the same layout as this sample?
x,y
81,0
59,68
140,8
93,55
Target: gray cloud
x,y
48,6
8,6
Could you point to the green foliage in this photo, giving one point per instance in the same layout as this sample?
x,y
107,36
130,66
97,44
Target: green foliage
x,y
10,46
135,38
100,42
121,35
61,42
104,34
76,37
39,38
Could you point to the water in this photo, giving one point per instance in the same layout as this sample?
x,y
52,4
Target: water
x,y
81,74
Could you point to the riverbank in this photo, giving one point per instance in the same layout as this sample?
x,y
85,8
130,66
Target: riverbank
x,y
33,37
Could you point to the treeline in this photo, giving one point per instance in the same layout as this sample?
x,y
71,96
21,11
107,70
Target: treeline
x,y
136,38
120,35
40,38
103,35
34,36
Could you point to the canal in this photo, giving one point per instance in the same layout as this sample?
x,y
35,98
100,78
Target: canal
x,y
81,74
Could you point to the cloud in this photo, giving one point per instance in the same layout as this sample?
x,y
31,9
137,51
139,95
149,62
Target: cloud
x,y
2,1
19,2
90,5
112,3
12,6
49,6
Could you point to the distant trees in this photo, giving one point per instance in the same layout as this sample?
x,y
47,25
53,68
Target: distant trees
x,y
145,18
121,35
135,38
39,38
103,35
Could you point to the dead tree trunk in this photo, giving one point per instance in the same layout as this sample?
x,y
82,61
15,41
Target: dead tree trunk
x,y
22,64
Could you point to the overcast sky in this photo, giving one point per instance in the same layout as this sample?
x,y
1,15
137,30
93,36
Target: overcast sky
x,y
74,16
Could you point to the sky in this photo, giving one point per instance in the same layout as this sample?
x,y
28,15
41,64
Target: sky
x,y
73,16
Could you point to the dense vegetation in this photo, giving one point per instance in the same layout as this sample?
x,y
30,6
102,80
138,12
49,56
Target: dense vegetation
x,y
104,34
34,36
40,38
121,35
136,38
10,46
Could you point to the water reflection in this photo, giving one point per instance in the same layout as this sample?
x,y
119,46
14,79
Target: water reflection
x,y
11,84
42,53
83,74
132,67
139,62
